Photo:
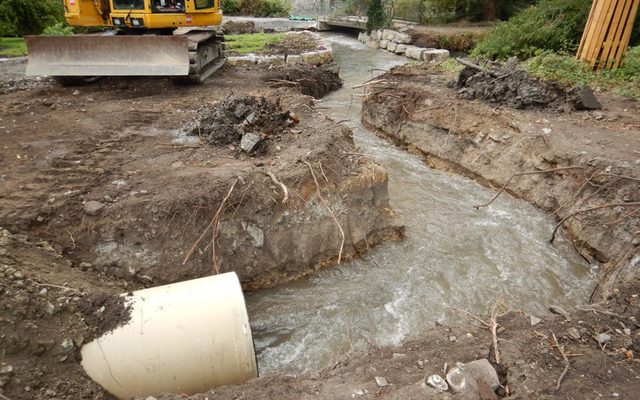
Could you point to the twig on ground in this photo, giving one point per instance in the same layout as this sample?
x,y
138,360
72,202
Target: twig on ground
x,y
323,174
282,186
213,223
333,215
521,174
3,397
573,214
493,324
564,357
369,82
56,286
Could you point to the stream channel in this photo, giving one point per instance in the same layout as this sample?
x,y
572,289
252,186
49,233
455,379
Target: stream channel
x,y
453,255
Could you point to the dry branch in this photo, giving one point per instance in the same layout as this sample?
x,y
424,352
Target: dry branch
x,y
214,224
564,357
521,174
493,324
57,287
573,214
282,186
333,215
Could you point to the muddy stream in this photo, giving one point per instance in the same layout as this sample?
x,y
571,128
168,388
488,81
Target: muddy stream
x,y
453,255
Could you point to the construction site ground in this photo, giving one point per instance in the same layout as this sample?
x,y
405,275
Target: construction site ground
x,y
117,143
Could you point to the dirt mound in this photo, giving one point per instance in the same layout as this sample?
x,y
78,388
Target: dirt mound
x,y
309,80
509,85
236,117
46,315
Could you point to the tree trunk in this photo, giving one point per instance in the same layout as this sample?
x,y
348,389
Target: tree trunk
x,y
490,10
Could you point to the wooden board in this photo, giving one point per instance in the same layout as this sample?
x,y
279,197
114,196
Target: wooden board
x,y
607,32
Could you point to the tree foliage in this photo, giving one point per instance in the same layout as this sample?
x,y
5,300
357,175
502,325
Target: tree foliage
x,y
28,17
376,17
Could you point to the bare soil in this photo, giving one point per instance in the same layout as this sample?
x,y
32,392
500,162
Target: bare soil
x,y
102,194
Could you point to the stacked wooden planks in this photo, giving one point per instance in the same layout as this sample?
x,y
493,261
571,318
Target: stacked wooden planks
x,y
607,33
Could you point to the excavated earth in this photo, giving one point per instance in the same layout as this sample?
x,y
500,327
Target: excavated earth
x,y
593,162
119,144
104,191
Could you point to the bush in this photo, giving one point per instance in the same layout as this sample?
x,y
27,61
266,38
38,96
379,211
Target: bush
x,y
28,17
473,10
566,69
551,25
59,29
264,8
376,18
230,6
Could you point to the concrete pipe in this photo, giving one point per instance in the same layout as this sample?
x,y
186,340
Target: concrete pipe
x,y
186,337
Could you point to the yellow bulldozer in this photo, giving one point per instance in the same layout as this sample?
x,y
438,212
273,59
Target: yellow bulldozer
x,y
147,37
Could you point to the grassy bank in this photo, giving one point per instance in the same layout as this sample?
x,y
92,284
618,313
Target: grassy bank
x,y
567,70
251,43
12,47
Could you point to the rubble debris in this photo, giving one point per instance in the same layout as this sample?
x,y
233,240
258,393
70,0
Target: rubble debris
x,y
381,381
244,121
534,320
93,207
584,99
508,84
436,381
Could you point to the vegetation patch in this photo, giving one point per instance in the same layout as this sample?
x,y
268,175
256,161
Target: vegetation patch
x,y
251,42
555,25
12,47
257,8
566,69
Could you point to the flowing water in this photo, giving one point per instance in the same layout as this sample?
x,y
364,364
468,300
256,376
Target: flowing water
x,y
453,255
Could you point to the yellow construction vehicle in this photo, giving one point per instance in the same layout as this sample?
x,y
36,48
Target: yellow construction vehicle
x,y
149,38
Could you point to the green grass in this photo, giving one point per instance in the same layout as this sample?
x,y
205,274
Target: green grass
x,y
12,47
566,69
251,43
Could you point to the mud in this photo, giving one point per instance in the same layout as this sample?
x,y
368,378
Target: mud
x,y
311,81
102,194
508,84
226,123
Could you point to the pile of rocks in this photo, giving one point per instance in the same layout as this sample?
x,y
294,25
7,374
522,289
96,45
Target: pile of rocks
x,y
321,55
399,43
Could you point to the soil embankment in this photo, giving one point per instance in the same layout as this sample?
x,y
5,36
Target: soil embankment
x,y
592,157
105,188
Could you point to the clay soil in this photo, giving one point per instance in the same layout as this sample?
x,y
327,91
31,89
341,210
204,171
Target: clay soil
x,y
102,193
61,149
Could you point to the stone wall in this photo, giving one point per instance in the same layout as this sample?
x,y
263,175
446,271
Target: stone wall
x,y
400,43
322,54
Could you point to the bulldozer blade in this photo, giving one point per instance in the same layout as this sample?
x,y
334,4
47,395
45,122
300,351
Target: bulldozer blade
x,y
96,55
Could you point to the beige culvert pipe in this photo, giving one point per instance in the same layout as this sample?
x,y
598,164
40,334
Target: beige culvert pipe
x,y
186,337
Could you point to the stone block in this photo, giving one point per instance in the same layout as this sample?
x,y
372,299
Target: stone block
x,y
383,44
389,34
403,38
401,48
435,55
391,46
414,52
372,43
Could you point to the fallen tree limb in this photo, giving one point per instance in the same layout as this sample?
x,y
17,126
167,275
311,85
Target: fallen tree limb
x,y
573,214
282,186
469,64
326,204
521,174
